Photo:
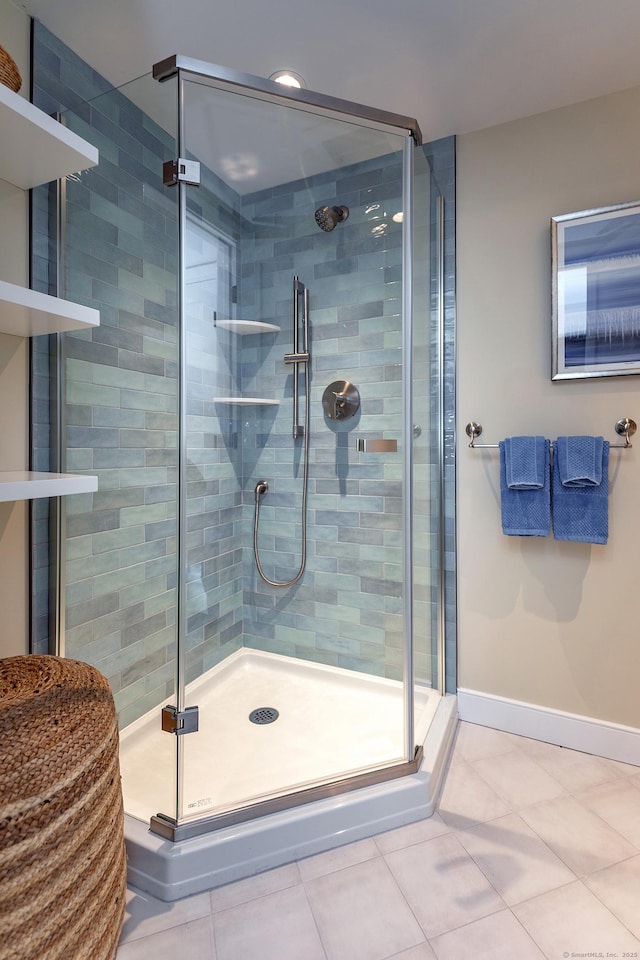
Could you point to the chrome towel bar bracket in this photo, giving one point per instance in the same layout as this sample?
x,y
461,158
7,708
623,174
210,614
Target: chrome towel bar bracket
x,y
625,427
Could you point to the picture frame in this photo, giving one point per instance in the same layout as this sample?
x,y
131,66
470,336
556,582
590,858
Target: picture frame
x,y
595,306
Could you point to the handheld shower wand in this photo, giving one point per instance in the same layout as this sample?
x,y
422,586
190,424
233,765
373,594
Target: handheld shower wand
x,y
297,358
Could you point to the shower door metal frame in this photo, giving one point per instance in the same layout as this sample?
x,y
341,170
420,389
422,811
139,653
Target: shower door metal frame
x,y
57,444
309,99
440,420
188,69
181,513
407,438
171,829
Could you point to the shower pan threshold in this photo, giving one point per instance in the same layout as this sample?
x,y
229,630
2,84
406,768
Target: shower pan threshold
x,y
171,870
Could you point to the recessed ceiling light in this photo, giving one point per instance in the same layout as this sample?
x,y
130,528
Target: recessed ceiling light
x,y
398,217
287,78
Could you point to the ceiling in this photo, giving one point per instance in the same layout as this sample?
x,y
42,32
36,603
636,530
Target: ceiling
x,y
454,65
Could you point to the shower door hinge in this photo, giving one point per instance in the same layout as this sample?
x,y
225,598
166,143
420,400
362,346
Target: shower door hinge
x,y
180,170
180,721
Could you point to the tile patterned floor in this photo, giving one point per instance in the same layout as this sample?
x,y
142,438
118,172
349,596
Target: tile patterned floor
x,y
534,853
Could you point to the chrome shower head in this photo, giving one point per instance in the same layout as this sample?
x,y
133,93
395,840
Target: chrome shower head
x,y
328,217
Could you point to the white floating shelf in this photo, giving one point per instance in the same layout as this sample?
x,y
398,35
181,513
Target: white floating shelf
x,y
26,485
244,401
35,148
28,313
245,327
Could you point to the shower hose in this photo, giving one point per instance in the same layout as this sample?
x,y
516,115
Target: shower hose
x,y
262,487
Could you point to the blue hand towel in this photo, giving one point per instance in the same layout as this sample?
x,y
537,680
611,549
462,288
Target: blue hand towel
x,y
582,513
526,463
526,512
579,461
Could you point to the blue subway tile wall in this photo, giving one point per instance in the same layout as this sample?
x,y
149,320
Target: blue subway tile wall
x,y
214,574
121,390
354,575
121,409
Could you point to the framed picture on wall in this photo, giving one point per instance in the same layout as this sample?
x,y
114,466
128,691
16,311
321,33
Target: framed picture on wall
x,y
596,293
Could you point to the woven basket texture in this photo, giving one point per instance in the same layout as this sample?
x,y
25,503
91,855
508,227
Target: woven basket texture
x,y
9,73
62,857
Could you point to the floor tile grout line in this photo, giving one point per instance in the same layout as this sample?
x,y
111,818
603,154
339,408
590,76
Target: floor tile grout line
x,y
315,921
565,794
575,798
567,865
527,933
505,905
163,929
293,863
383,859
402,894
213,937
506,909
546,845
581,880
343,866
516,746
506,800
606,905
606,822
413,843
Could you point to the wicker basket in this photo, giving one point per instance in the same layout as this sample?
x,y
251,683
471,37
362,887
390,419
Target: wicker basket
x,y
62,859
9,73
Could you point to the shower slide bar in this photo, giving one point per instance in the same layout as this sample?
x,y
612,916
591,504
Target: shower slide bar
x,y
299,356
624,428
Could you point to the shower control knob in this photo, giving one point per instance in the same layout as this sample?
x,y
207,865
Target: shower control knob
x,y
340,406
341,400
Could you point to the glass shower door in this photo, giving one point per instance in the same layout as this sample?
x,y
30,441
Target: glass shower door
x,y
116,560
305,685
182,402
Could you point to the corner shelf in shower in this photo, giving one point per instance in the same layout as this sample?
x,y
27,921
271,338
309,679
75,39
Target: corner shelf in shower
x,y
26,485
245,401
245,327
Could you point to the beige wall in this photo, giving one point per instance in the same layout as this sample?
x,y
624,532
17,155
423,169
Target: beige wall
x,y
545,622
14,36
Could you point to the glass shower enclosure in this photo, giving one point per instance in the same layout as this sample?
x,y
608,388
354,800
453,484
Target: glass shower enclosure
x,y
262,406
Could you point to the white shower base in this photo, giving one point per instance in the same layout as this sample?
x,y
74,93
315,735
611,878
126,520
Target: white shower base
x,y
332,723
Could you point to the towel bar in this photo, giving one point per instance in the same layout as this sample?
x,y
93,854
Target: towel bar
x,y
624,428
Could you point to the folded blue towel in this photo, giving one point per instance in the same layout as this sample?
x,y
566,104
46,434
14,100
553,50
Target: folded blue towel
x,y
526,512
582,513
579,461
526,463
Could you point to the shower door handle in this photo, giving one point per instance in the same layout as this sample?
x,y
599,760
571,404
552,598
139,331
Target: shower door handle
x,y
376,446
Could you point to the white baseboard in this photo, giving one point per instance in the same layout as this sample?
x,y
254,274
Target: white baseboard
x,y
611,740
